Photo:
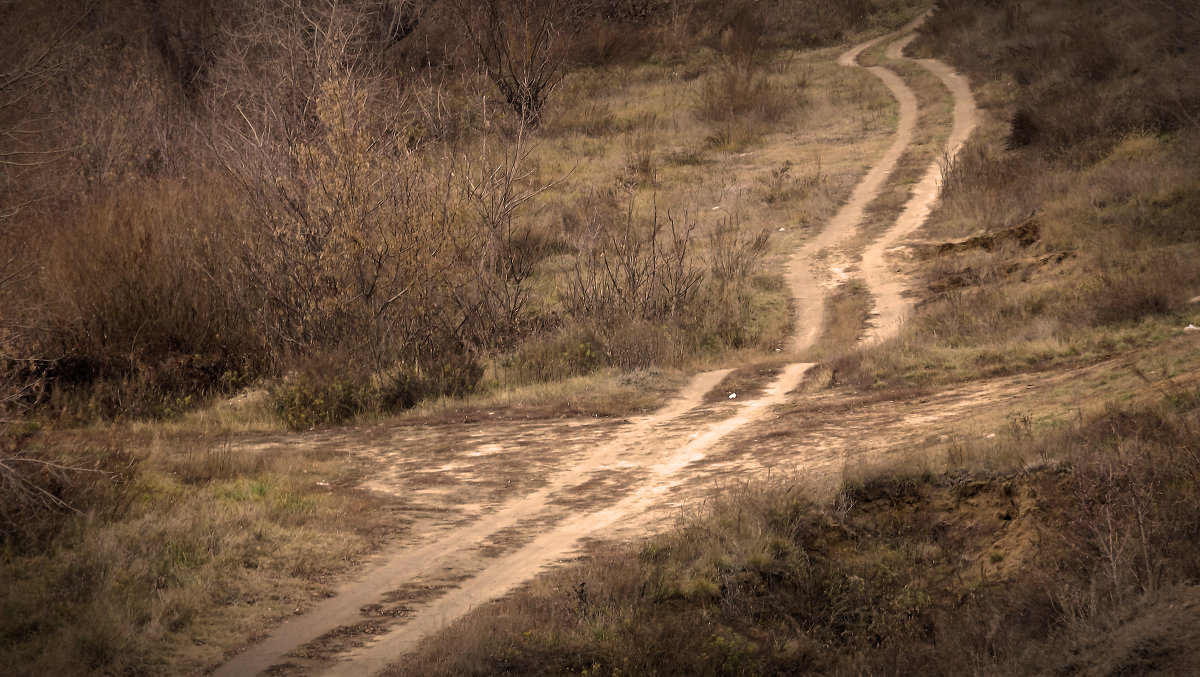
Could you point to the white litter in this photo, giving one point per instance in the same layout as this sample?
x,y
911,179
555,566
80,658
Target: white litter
x,y
781,230
732,395
1191,327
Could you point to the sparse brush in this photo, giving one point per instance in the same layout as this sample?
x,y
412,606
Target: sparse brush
x,y
153,545
741,103
1101,179
1003,570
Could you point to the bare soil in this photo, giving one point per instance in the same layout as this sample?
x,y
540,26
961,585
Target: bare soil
x,y
494,501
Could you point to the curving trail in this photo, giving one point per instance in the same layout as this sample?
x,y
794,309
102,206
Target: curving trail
x,y
888,288
367,624
802,278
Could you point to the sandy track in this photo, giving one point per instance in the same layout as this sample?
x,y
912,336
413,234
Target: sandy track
x,y
408,561
803,279
422,584
559,542
891,307
684,443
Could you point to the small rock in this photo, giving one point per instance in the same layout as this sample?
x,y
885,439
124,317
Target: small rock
x,y
1191,327
732,396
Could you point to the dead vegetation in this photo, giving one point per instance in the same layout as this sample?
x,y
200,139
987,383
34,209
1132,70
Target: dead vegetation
x,y
1009,571
233,208
363,205
119,569
1060,544
333,209
1113,200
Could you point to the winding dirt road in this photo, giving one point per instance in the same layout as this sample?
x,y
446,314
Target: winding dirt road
x,y
557,484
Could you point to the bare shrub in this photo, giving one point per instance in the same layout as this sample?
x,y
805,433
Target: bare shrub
x,y
736,92
629,269
742,104
499,247
39,491
1083,87
276,59
350,238
1129,291
572,350
133,324
592,120
734,253
520,45
640,162
607,40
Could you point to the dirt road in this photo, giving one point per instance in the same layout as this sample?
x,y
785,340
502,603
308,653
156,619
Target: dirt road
x,y
887,287
498,503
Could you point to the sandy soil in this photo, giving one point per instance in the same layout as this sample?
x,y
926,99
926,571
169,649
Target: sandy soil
x,y
495,502
891,306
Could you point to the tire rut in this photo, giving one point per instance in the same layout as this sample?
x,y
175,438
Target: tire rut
x,y
419,588
888,287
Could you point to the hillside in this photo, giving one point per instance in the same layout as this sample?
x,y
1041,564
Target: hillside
x,y
536,336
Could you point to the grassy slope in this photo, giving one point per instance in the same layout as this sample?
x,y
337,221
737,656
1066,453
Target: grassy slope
x,y
178,546
1065,533
1064,543
167,551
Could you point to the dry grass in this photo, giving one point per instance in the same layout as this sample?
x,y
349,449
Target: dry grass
x,y
848,308
972,571
1110,267
1109,271
607,392
166,303
276,246
171,554
904,571
1063,541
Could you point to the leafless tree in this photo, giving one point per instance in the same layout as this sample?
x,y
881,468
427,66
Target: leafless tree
x,y
349,235
497,186
520,45
631,270
26,70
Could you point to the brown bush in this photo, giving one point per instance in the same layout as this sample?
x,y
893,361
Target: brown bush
x,y
1083,88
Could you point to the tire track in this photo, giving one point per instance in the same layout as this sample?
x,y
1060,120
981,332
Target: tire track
x,y
407,562
888,287
516,568
665,443
803,279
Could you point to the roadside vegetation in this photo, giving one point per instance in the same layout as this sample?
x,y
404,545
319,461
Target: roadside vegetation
x,y
360,206
1062,544
226,217
1079,556
128,558
215,220
1067,230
